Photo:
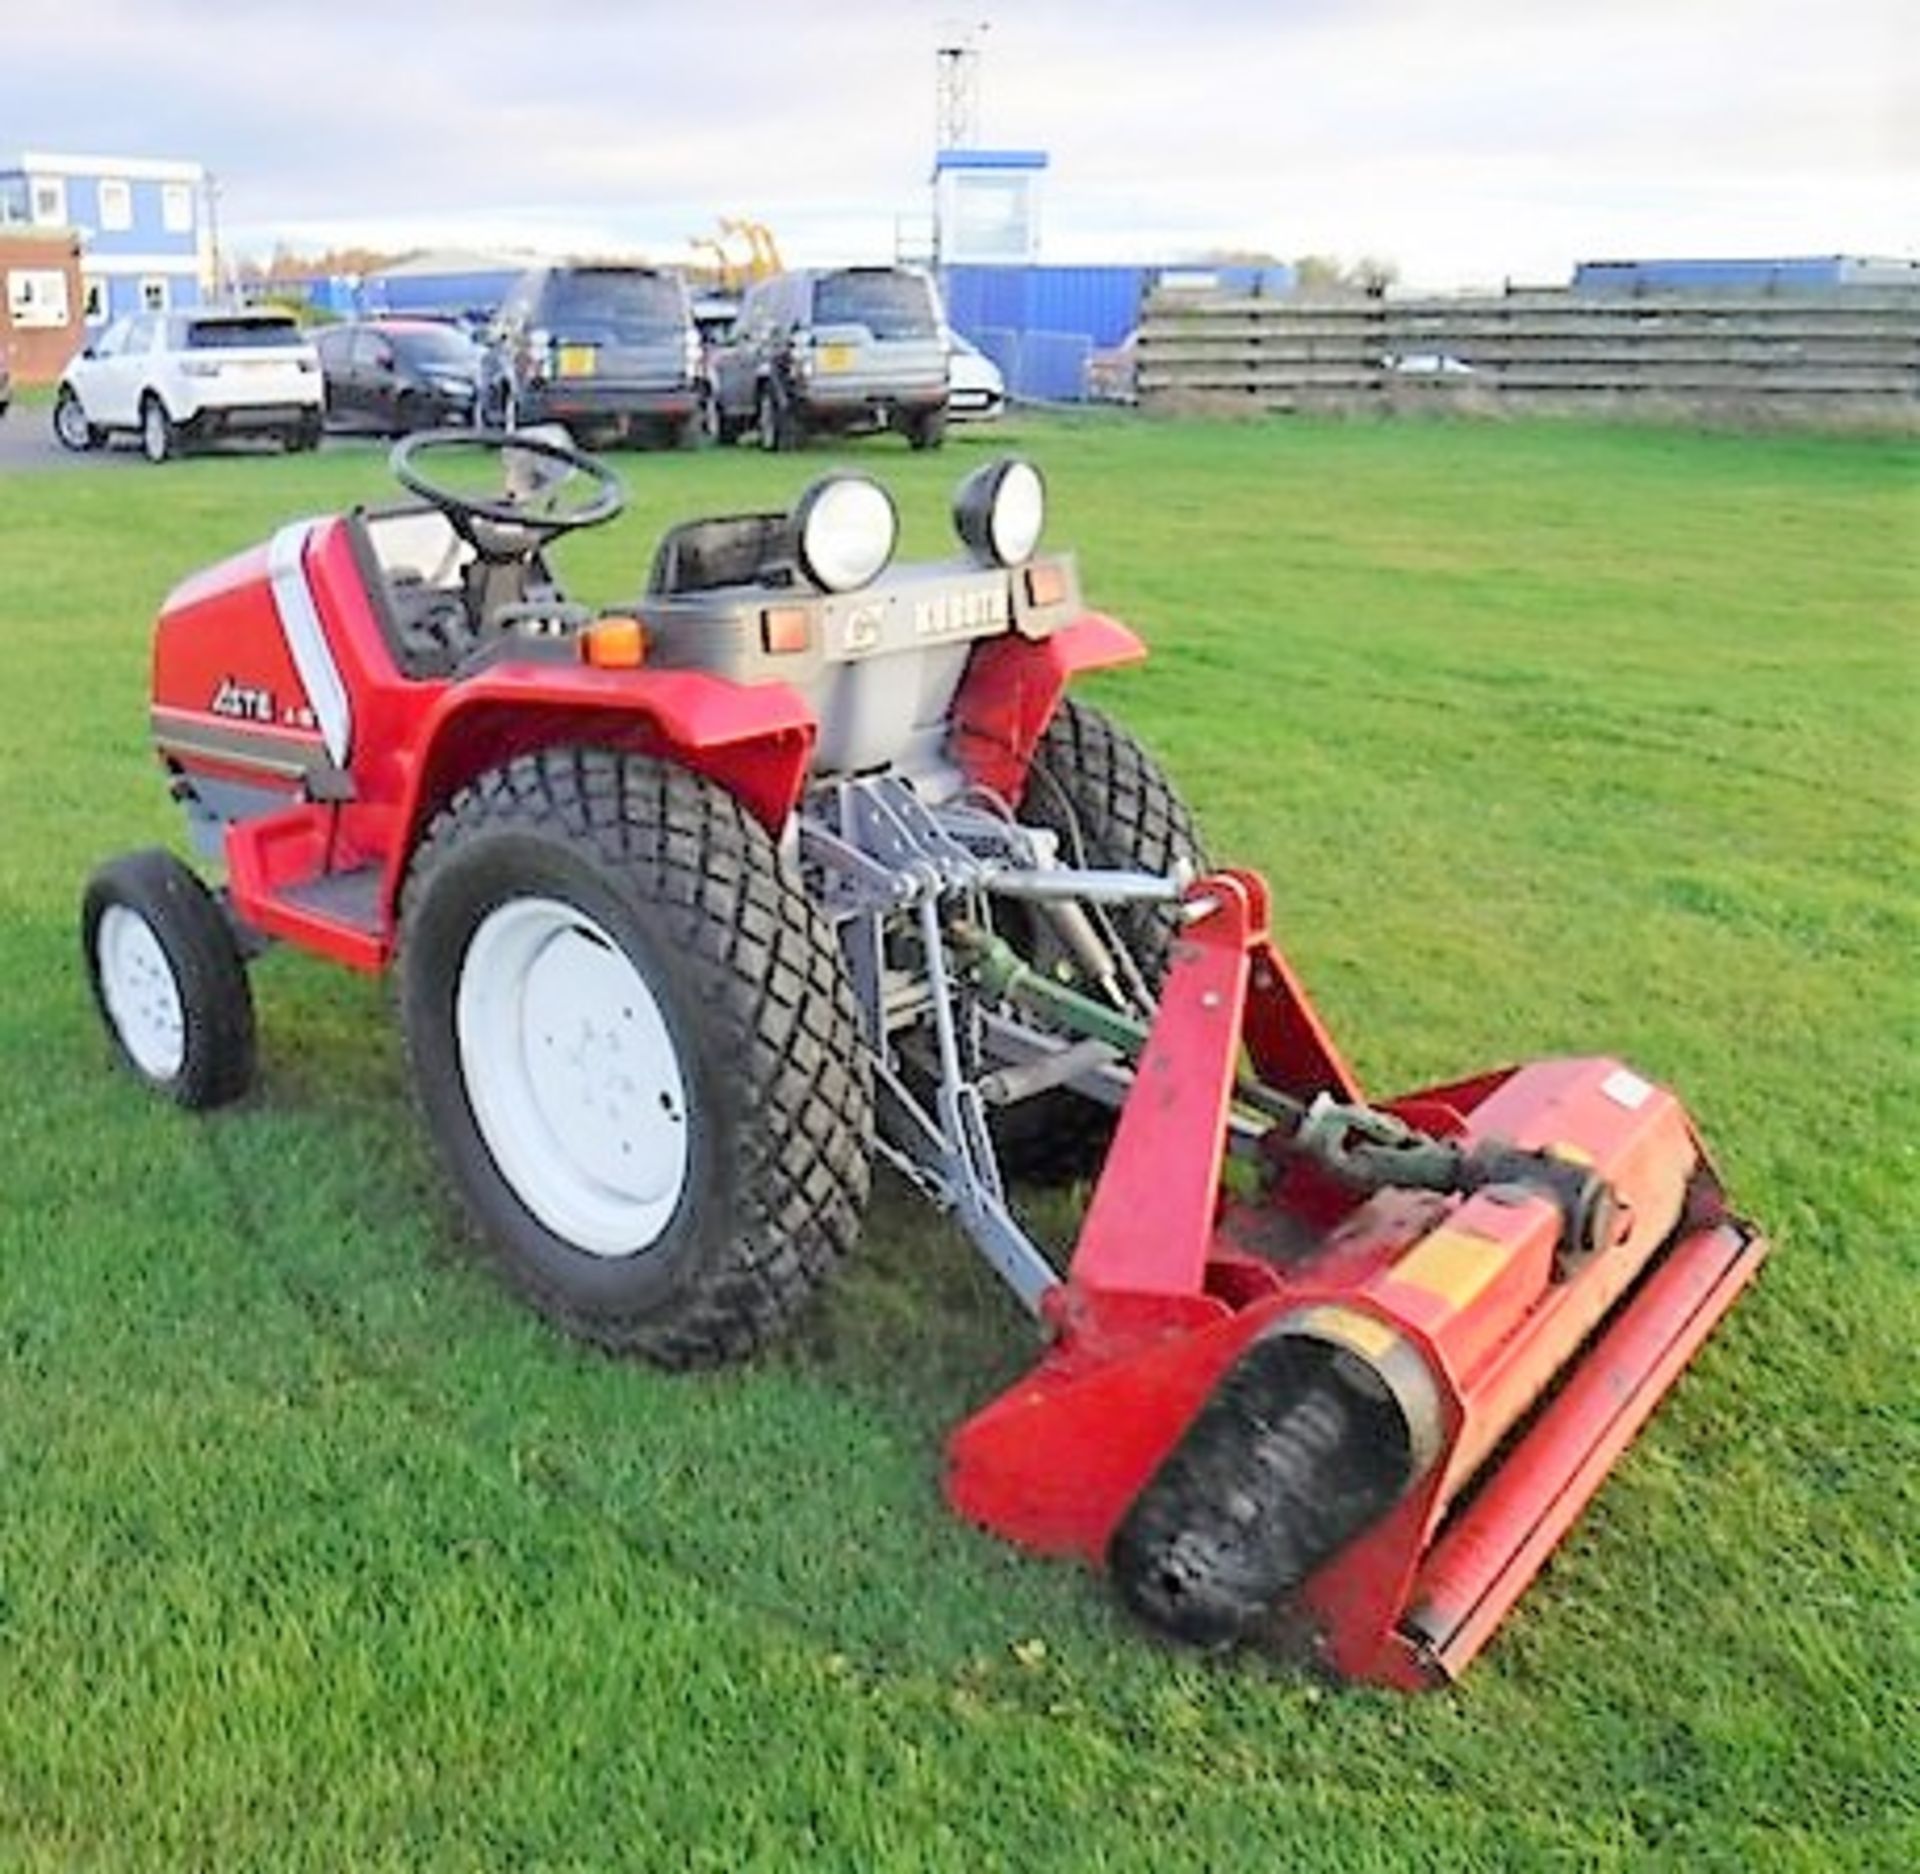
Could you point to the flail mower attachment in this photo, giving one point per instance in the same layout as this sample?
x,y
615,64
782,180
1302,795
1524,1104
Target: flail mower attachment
x,y
1349,1403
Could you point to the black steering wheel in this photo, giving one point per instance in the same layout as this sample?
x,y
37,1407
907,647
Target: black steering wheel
x,y
518,522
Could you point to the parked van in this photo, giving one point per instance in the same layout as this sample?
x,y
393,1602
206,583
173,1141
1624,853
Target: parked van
x,y
839,349
611,351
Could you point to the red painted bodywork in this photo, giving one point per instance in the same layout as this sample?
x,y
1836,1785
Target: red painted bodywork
x,y
1171,1280
415,743
1014,685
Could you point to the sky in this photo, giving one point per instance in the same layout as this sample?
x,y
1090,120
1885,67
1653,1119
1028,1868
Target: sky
x,y
1469,142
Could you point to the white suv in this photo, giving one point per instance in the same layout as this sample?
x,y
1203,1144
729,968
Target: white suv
x,y
173,378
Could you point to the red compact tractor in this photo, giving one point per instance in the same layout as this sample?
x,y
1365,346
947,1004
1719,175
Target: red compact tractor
x,y
700,905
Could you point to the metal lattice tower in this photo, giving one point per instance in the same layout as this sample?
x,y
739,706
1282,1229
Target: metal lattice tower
x,y
956,98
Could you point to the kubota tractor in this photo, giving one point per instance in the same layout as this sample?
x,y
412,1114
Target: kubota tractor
x,y
700,904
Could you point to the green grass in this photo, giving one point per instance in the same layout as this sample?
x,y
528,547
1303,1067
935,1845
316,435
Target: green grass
x,y
316,1551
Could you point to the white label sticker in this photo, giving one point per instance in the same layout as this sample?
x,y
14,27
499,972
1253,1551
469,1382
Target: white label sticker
x,y
1625,1088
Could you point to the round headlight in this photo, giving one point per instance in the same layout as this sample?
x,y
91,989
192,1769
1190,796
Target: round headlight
x,y
844,530
999,511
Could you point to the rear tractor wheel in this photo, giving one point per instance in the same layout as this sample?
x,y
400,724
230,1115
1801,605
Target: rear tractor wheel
x,y
636,1051
168,979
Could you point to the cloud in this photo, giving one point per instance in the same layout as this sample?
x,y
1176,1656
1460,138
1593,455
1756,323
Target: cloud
x,y
1467,139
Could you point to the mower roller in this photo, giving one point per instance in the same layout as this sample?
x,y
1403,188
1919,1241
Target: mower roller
x,y
699,904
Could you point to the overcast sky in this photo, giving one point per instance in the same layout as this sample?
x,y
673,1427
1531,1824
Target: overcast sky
x,y
1469,141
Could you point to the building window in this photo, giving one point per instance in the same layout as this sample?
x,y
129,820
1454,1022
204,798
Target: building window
x,y
13,201
37,298
116,205
153,293
176,208
50,201
93,298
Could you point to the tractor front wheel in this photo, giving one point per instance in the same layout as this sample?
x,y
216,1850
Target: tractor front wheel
x,y
637,1053
168,979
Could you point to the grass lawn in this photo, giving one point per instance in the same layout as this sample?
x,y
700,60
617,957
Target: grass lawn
x,y
316,1551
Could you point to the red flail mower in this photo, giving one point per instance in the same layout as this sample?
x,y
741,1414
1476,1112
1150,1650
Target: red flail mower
x,y
700,905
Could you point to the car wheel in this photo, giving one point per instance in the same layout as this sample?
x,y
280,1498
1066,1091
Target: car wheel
x,y
70,426
697,431
158,437
928,430
633,1041
779,426
168,979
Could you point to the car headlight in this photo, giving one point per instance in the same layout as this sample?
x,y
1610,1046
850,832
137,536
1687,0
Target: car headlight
x,y
999,511
844,530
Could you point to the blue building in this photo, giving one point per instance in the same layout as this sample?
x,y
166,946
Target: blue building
x,y
141,223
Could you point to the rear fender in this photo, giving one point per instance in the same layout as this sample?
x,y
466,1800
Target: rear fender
x,y
756,741
1014,685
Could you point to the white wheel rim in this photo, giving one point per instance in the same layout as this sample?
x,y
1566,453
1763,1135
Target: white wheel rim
x,y
141,992
153,432
72,421
573,1076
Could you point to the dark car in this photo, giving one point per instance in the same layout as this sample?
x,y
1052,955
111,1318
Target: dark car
x,y
845,349
610,351
394,375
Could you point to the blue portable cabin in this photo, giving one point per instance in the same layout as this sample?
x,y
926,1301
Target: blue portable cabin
x,y
1041,324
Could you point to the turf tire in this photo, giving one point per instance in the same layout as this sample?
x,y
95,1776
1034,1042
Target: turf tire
x,y
196,947
748,981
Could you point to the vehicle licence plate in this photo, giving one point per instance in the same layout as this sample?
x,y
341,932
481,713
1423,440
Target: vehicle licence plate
x,y
838,357
577,360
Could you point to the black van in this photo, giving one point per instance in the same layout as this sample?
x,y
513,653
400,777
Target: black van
x,y
611,351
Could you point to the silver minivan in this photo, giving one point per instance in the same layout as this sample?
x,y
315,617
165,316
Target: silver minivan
x,y
840,349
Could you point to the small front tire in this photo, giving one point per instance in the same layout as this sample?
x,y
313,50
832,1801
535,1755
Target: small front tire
x,y
168,979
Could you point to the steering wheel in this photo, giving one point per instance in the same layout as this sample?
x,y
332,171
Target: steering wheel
x,y
510,526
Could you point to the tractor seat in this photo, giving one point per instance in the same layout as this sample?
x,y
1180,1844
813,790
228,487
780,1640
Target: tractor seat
x,y
438,603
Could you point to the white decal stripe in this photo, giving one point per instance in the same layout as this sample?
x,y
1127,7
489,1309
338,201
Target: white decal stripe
x,y
319,674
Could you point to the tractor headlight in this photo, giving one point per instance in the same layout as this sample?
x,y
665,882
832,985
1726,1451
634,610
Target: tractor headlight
x,y
999,511
844,530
